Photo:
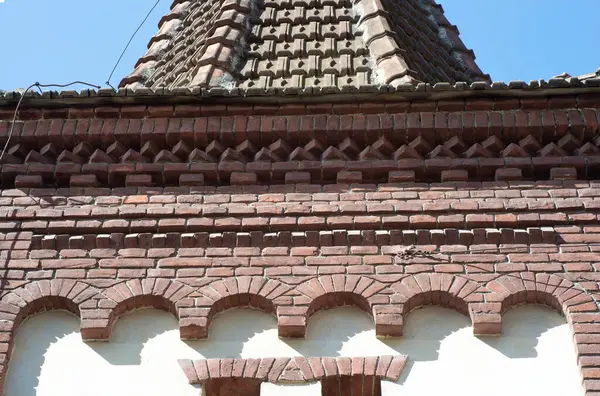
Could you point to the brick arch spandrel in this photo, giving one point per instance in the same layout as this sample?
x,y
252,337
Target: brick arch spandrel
x,y
261,293
574,302
330,291
35,297
160,293
450,291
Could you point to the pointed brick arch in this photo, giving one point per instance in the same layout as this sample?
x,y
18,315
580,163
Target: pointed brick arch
x,y
245,291
115,301
445,290
34,297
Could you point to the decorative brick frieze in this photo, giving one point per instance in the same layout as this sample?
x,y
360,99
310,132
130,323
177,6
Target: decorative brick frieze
x,y
411,225
225,174
476,203
99,303
377,145
175,243
382,145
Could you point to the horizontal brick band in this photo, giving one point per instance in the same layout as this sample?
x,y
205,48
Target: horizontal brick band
x,y
287,239
435,128
327,172
385,263
294,224
293,370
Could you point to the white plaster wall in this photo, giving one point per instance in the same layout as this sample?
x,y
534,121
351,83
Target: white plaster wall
x,y
534,356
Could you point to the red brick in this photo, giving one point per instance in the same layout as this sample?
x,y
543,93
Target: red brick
x,y
84,181
243,178
508,174
126,263
28,181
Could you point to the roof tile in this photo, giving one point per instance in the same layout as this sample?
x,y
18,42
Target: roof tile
x,y
296,44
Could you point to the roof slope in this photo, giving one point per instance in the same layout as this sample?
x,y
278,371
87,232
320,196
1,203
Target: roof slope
x,y
293,44
583,77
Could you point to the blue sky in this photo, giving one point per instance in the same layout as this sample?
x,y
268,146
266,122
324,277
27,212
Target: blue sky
x,y
63,40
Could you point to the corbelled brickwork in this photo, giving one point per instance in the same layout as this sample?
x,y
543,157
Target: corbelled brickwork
x,y
296,156
476,203
463,139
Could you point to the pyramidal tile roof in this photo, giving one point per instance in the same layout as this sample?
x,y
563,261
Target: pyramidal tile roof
x,y
294,44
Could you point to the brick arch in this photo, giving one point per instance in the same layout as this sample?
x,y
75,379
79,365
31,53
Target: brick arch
x,y
545,289
445,290
35,297
245,291
331,291
567,298
164,294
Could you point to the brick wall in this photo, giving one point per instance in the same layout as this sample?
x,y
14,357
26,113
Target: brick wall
x,y
473,204
386,249
428,141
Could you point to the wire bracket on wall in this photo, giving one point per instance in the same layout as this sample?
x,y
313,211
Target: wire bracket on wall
x,y
24,93
412,252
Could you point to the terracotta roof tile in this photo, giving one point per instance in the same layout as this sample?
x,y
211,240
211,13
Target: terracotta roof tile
x,y
331,44
583,77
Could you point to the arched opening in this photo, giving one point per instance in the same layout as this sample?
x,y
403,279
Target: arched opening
x,y
338,299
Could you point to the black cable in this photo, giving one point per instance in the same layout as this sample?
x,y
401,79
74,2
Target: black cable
x,y
39,86
129,43
66,85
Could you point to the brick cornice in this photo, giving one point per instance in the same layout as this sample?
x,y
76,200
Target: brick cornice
x,y
536,90
323,143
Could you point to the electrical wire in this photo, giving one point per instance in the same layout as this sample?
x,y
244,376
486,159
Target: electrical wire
x,y
39,86
129,43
